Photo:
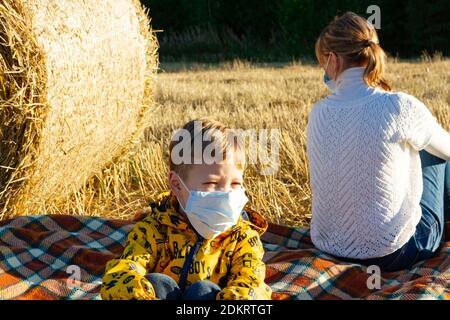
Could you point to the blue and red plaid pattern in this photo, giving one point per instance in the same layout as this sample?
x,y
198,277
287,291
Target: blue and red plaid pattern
x,y
38,255
37,252
297,270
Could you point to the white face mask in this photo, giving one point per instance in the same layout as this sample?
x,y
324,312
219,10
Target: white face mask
x,y
212,213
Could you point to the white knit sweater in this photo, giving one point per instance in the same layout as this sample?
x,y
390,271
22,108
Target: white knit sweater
x,y
365,169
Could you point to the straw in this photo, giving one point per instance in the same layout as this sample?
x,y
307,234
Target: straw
x,y
76,90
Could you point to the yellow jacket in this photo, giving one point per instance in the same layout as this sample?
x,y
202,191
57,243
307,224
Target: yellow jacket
x,y
162,240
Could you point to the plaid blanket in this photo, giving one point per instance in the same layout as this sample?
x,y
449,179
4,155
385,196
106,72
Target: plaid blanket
x,y
297,270
64,256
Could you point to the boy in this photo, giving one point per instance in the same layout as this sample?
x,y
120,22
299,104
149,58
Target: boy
x,y
198,242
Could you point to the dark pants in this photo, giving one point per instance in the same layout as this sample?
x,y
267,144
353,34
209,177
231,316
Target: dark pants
x,y
167,289
435,204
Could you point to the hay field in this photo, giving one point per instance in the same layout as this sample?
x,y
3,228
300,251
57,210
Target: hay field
x,y
243,96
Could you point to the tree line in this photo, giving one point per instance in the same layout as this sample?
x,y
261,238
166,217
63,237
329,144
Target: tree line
x,y
210,30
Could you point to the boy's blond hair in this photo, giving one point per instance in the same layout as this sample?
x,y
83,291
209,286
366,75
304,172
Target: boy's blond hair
x,y
225,141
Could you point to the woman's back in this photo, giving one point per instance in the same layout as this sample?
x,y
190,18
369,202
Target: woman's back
x,y
365,175
378,197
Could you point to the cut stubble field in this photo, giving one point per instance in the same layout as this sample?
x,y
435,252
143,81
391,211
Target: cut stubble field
x,y
248,97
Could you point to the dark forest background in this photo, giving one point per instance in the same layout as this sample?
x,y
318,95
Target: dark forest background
x,y
284,30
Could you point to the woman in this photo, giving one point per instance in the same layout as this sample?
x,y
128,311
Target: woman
x,y
379,160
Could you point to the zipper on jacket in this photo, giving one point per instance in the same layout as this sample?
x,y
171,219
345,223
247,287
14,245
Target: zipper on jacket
x,y
187,263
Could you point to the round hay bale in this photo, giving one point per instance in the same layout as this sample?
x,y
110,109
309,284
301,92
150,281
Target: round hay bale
x,y
76,89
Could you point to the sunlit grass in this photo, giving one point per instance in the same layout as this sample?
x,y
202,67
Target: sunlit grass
x,y
243,96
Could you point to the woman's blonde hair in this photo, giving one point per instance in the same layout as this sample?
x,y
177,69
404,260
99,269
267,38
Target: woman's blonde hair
x,y
355,40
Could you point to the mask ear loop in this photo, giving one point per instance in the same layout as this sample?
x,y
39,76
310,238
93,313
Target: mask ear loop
x,y
185,186
328,62
182,182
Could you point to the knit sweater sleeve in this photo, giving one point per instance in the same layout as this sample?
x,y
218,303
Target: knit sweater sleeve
x,y
440,144
417,124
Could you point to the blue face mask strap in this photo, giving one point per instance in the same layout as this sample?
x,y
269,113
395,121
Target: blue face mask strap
x,y
182,182
326,78
184,185
328,61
